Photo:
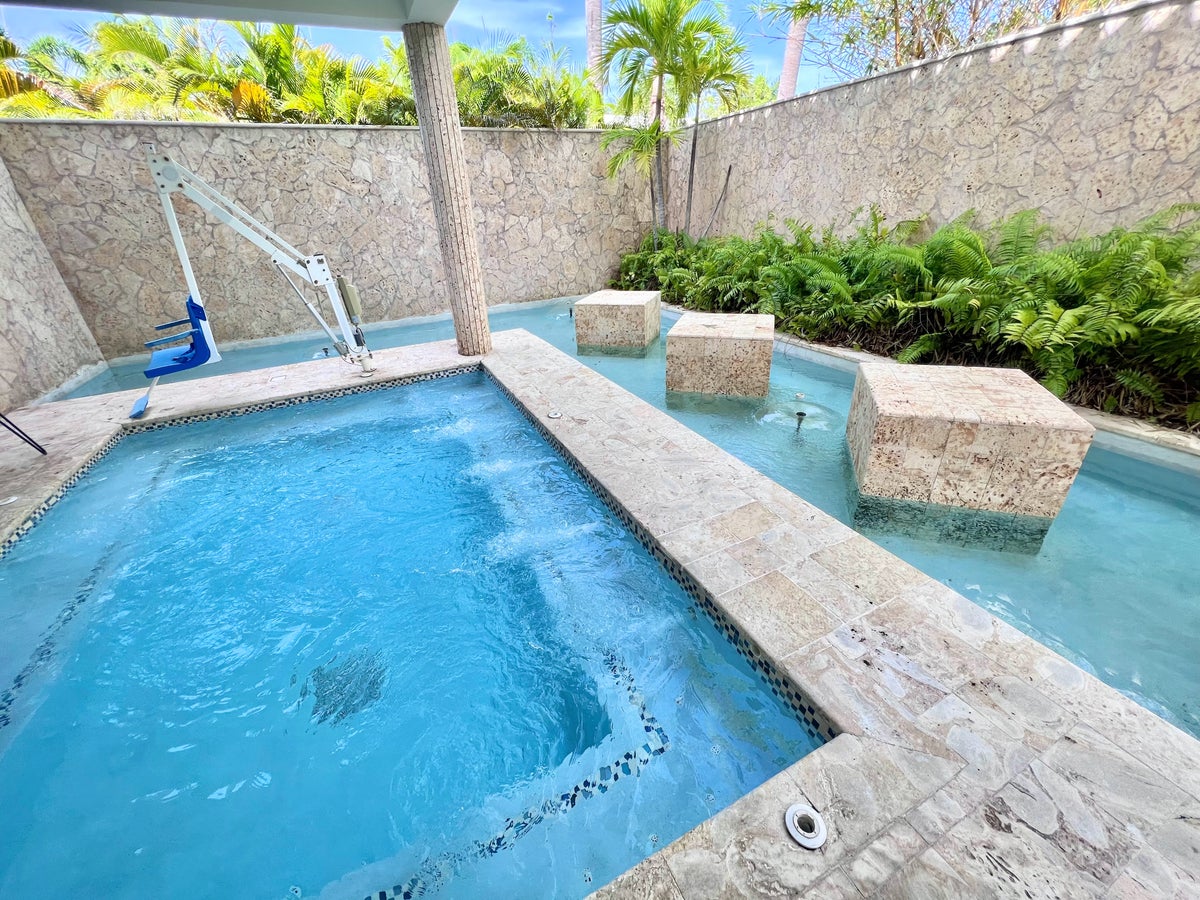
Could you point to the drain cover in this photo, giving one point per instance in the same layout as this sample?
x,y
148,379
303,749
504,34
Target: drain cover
x,y
805,825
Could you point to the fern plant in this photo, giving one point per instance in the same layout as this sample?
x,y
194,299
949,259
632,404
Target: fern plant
x,y
1110,321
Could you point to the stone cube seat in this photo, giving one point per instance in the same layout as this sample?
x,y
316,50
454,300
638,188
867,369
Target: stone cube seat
x,y
721,353
623,319
976,438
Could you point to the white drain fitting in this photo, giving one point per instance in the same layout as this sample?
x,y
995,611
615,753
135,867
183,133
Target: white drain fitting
x,y
805,825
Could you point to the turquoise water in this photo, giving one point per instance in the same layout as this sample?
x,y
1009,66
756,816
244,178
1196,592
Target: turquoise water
x,y
1112,588
385,640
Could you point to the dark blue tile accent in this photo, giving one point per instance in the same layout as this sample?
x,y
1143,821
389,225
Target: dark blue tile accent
x,y
435,869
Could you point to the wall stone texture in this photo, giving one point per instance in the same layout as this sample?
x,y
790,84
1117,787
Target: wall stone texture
x,y
1096,123
43,337
618,319
964,436
550,222
721,353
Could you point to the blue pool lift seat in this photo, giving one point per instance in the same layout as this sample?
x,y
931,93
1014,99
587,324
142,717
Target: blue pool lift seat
x,y
196,352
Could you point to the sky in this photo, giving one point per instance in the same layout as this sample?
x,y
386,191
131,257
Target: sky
x,y
474,22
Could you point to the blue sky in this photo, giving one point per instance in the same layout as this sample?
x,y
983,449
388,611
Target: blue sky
x,y
473,21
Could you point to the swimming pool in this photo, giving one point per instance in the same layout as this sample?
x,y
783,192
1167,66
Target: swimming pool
x,y
1112,587
387,641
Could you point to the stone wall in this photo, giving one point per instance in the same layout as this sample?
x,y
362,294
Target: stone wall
x,y
43,338
550,222
1096,123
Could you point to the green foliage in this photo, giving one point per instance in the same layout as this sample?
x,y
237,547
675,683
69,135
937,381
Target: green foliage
x,y
667,55
144,68
1110,321
863,37
757,91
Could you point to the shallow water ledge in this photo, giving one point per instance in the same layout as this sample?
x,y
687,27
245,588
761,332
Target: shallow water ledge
x,y
969,759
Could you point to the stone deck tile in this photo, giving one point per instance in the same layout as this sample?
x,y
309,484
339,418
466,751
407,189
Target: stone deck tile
x,y
1169,869
869,569
651,880
884,856
933,675
780,615
990,747
860,785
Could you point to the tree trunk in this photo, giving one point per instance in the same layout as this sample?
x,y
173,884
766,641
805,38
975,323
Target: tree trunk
x,y
449,182
687,216
792,55
896,30
659,164
594,17
654,211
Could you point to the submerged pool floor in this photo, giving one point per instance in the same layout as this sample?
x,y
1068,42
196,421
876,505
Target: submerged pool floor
x,y
1112,587
384,640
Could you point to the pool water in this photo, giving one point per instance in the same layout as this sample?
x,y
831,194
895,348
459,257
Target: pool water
x,y
1113,586
386,640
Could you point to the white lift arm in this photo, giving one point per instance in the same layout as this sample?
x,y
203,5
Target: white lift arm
x,y
172,178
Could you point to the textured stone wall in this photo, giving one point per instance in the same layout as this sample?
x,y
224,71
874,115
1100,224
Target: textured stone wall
x,y
43,338
1096,123
549,222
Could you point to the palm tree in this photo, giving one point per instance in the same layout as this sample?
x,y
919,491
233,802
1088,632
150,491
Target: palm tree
x,y
718,65
593,22
122,84
559,97
649,41
506,85
168,59
793,53
640,145
13,79
143,68
490,81
268,69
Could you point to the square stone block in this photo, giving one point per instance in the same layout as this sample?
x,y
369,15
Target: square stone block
x,y
721,353
978,438
617,319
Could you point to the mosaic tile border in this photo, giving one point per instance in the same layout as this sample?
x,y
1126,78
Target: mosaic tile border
x,y
817,725
282,402
44,651
126,429
70,481
433,871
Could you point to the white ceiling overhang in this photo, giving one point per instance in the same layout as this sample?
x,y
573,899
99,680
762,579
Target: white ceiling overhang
x,y
376,15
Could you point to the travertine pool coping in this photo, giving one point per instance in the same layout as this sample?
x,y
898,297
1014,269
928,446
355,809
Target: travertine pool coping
x,y
970,761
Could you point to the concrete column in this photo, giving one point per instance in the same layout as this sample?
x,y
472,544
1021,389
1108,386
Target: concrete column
x,y
449,184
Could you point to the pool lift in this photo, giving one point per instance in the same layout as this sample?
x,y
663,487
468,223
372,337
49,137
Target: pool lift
x,y
201,349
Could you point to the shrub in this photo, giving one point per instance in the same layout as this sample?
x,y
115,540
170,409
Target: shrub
x,y
1111,321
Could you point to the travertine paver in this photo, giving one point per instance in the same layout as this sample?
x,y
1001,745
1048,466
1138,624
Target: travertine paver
x,y
618,319
978,438
721,353
971,761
